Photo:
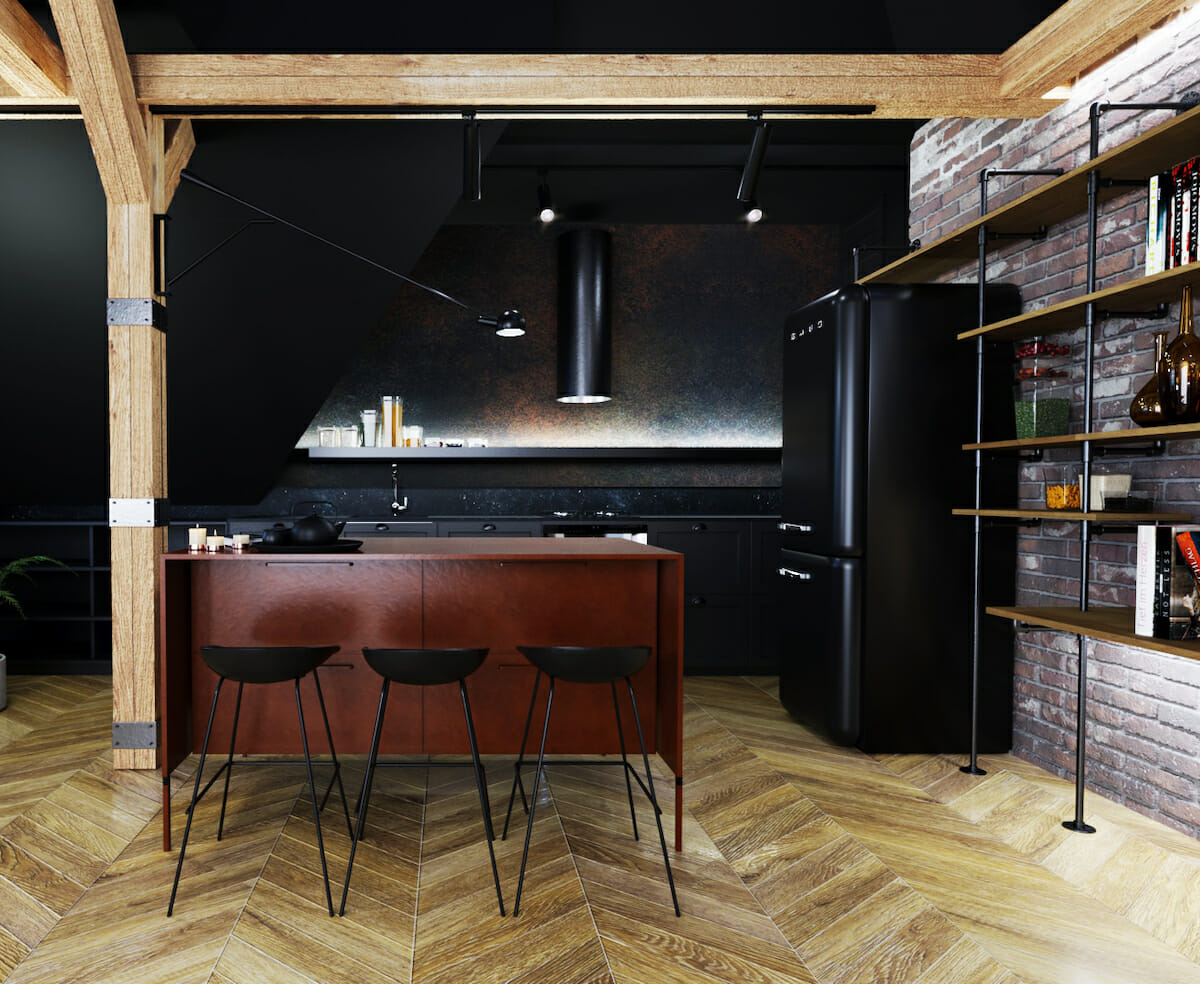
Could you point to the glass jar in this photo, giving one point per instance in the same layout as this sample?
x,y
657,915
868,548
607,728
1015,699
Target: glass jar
x,y
1042,400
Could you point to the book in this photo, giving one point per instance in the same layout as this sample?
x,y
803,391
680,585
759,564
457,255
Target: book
x,y
1176,589
1155,213
1143,606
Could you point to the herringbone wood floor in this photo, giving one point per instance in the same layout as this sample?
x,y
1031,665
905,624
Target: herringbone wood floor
x,y
803,862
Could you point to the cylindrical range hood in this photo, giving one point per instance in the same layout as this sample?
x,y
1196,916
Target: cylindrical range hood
x,y
584,325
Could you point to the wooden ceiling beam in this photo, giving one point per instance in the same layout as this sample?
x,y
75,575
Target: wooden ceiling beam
x,y
95,52
30,63
1076,37
885,86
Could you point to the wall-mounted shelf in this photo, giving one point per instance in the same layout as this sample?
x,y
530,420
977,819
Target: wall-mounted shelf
x,y
1134,295
1066,515
1105,622
1053,202
1126,435
534,454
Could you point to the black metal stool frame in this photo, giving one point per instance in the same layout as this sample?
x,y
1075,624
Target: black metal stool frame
x,y
369,778
530,804
227,769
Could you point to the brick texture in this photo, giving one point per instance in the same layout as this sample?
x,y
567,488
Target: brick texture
x,y
1143,711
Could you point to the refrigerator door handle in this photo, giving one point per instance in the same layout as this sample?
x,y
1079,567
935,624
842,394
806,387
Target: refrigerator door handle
x,y
795,527
800,575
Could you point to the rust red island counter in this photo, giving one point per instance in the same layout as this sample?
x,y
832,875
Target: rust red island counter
x,y
494,592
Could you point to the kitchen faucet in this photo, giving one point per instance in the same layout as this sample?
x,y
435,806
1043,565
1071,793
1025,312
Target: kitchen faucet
x,y
397,506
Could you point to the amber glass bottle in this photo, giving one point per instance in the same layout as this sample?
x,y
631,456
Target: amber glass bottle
x,y
1146,408
1179,370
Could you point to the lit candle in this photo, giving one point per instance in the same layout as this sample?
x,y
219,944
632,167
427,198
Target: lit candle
x,y
214,542
196,538
241,541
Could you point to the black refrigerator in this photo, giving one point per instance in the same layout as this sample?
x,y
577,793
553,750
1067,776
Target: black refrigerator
x,y
876,574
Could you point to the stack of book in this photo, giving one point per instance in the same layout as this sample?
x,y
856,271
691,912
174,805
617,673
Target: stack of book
x,y
1172,229
1167,583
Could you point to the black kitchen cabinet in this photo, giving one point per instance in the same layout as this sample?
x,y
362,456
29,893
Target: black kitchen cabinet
x,y
67,626
730,615
490,527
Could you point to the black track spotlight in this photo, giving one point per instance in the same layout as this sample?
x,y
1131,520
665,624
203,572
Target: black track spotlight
x,y
546,212
753,212
472,160
754,160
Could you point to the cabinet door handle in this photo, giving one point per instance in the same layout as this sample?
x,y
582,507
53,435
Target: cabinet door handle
x,y
800,575
795,527
382,527
699,527
696,601
489,527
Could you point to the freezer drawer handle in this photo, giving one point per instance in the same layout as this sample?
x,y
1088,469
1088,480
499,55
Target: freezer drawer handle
x,y
795,527
802,575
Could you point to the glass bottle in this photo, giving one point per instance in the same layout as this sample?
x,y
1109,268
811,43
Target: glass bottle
x,y
1146,408
1179,370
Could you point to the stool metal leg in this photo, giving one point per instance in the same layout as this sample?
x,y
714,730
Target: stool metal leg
x,y
485,805
517,784
312,788
537,781
365,795
662,840
624,761
237,713
337,768
195,794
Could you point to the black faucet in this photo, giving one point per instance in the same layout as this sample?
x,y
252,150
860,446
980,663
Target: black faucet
x,y
398,506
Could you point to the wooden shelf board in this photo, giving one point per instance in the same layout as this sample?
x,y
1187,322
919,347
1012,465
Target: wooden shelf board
x,y
1141,294
1109,623
1126,435
466,454
1068,515
1054,201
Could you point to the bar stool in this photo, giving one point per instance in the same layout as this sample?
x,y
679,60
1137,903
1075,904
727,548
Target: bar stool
x,y
595,665
254,665
424,668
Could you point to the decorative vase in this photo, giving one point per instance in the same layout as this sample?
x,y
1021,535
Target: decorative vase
x,y
1146,408
1179,370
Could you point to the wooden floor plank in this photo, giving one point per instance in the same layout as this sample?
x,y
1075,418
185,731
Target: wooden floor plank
x,y
803,862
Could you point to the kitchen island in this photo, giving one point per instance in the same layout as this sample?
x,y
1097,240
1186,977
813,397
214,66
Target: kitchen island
x,y
410,593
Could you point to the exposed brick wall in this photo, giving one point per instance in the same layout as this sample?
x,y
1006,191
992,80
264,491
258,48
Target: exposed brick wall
x,y
1143,707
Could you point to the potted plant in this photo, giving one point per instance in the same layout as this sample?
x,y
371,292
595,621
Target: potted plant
x,y
15,568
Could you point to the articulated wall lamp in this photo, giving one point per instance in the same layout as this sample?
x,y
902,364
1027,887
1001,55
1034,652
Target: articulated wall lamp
x,y
754,160
508,325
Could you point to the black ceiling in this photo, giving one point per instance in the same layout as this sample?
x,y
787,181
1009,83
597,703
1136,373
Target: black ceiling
x,y
559,26
676,171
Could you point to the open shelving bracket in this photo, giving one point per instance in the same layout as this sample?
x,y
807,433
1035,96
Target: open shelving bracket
x,y
1154,449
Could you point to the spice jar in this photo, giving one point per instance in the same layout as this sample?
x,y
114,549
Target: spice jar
x,y
1042,400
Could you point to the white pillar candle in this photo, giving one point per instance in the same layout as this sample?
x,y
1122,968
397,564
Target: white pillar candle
x,y
197,537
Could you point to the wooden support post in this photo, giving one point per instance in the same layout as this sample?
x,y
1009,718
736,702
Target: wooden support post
x,y
137,442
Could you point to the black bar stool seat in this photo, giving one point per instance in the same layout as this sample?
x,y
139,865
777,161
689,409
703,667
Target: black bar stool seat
x,y
424,668
588,665
258,665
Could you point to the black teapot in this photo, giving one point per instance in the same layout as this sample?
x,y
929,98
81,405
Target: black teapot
x,y
315,531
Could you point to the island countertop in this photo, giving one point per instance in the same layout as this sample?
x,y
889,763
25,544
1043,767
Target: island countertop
x,y
498,592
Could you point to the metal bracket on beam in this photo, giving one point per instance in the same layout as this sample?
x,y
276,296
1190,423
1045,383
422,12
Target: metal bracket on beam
x,y
136,311
137,512
135,734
